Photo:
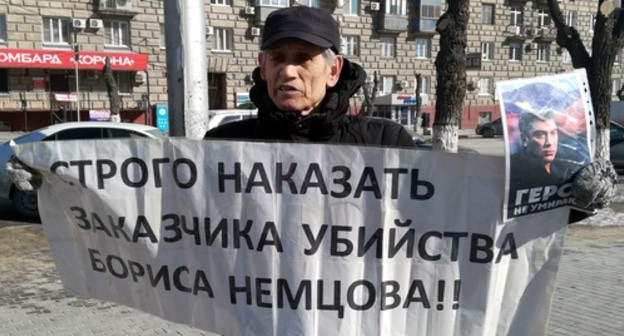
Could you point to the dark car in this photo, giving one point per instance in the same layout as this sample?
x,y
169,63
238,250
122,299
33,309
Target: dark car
x,y
616,145
490,129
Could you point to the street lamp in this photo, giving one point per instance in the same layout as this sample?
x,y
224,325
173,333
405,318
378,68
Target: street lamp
x,y
76,59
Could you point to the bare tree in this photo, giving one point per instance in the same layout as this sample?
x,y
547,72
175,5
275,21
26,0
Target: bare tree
x,y
113,91
417,112
451,74
608,40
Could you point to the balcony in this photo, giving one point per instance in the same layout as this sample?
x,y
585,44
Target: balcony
x,y
546,34
517,32
118,7
390,23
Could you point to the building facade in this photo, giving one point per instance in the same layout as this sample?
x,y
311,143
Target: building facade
x,y
40,83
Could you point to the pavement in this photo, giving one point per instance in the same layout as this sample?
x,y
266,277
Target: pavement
x,y
587,300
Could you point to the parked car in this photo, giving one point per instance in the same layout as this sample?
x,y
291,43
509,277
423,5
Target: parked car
x,y
490,129
220,117
25,203
616,146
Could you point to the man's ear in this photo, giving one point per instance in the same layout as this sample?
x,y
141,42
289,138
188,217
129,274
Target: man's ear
x,y
335,70
525,139
261,63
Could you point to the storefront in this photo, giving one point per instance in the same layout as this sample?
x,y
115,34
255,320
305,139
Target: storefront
x,y
40,85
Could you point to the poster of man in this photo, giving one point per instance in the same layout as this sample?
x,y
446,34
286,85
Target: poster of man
x,y
548,125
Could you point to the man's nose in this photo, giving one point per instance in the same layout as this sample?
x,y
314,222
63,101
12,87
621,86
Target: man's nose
x,y
547,141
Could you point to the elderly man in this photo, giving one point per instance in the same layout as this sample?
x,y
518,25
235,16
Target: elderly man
x,y
303,85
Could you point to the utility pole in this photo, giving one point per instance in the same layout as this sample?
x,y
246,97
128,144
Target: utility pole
x,y
175,84
187,75
76,60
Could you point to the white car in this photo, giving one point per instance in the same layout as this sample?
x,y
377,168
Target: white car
x,y
220,117
25,203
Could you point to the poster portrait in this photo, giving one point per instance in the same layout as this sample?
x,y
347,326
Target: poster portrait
x,y
548,124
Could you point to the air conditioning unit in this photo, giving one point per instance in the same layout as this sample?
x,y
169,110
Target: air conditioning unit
x,y
375,6
209,30
250,10
96,23
140,77
255,31
117,4
79,23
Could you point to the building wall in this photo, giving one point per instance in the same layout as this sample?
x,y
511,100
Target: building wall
x,y
230,71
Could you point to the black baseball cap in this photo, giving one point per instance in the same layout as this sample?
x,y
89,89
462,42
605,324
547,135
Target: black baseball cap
x,y
313,25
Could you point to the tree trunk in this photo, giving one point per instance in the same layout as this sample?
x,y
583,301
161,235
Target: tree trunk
x,y
113,91
417,113
608,40
451,75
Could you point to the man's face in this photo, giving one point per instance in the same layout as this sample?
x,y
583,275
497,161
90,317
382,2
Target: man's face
x,y
542,140
298,75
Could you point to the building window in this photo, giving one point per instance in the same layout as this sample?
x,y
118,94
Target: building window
x,y
387,84
615,86
3,31
395,7
516,17
116,34
571,18
309,3
485,86
425,86
487,14
592,22
220,2
162,41
125,80
543,18
543,52
222,39
352,7
56,30
276,3
4,80
350,45
515,51
422,48
386,44
487,51
618,57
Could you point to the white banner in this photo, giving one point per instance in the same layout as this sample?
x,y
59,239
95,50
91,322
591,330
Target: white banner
x,y
246,238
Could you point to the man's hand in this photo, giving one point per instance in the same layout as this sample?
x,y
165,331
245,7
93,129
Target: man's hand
x,y
24,177
594,185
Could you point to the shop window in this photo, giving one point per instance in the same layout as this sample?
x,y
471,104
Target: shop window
x,y
4,81
56,30
117,34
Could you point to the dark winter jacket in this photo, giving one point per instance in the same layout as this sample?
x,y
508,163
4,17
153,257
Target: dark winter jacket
x,y
330,123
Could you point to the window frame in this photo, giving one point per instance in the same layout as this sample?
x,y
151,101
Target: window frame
x,y
490,18
275,3
542,53
387,46
60,23
222,39
516,16
125,86
350,45
352,7
3,28
487,51
420,49
119,34
515,56
387,84
485,86
395,7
